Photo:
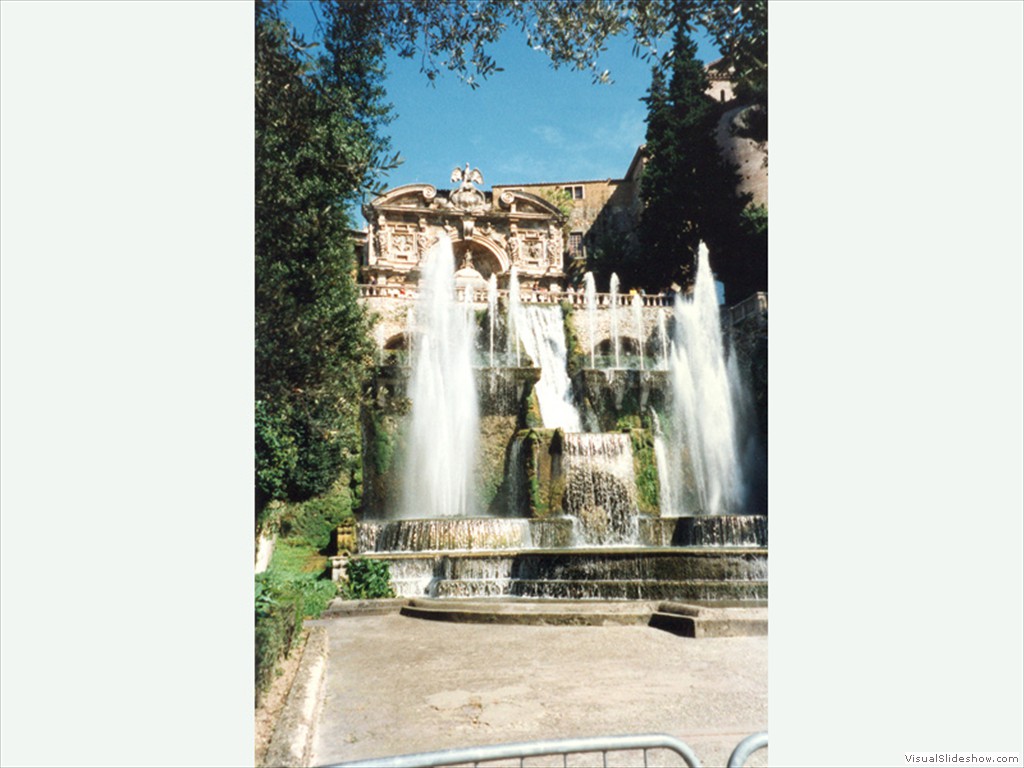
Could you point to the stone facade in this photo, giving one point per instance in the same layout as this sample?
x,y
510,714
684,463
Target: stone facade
x,y
720,81
490,232
600,207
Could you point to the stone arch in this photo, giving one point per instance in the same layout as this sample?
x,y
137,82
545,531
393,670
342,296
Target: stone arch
x,y
396,342
628,345
488,257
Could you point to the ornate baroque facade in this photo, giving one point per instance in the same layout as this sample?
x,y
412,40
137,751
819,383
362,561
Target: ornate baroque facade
x,y
490,232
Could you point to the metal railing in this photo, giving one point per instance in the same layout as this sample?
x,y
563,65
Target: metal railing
x,y
522,750
746,748
602,745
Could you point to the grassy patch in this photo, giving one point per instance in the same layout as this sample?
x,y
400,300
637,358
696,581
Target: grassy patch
x,y
297,584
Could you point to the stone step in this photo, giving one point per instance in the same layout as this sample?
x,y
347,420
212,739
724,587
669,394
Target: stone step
x,y
703,621
563,613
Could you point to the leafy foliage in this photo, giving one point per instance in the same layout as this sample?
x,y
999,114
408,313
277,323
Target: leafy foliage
x,y
317,147
284,597
646,471
687,189
741,32
276,450
455,35
311,523
368,579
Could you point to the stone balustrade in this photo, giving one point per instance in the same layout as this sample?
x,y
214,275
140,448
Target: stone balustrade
x,y
574,298
392,304
755,305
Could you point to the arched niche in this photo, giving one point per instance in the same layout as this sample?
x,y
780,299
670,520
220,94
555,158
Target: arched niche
x,y
396,342
488,257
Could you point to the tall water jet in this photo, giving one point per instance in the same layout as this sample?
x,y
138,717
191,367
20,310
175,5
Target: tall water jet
x,y
590,292
514,307
614,291
444,424
704,412
542,332
492,311
638,321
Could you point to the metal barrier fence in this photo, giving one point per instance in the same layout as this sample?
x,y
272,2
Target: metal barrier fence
x,y
746,748
595,745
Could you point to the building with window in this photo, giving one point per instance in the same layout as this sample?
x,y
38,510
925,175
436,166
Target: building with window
x,y
523,225
600,207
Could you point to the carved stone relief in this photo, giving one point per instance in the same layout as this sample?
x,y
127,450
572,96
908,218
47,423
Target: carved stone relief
x,y
488,232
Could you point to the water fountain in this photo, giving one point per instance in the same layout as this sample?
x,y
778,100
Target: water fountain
x,y
492,314
614,300
704,421
590,292
575,482
514,310
542,334
444,418
638,322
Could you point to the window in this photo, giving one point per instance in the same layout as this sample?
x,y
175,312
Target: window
x,y
575,244
576,193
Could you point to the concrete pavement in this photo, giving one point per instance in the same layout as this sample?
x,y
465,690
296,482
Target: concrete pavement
x,y
396,684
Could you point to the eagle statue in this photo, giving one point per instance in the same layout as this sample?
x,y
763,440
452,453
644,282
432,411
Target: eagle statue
x,y
467,176
467,196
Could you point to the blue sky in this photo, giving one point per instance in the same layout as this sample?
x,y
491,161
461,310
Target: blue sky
x,y
528,123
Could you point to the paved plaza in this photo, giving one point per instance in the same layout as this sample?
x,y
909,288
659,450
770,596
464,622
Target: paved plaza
x,y
397,684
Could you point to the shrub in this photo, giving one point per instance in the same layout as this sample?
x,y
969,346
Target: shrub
x,y
320,456
312,522
367,579
283,599
276,452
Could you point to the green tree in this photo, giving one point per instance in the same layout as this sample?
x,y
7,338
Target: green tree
x,y
688,191
317,146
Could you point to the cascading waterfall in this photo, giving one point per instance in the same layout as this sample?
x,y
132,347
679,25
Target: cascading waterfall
x,y
564,512
444,423
704,414
444,535
590,292
514,311
663,335
613,289
600,487
667,493
516,478
492,311
542,333
638,321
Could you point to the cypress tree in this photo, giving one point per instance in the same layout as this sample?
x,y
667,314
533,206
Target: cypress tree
x,y
687,190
